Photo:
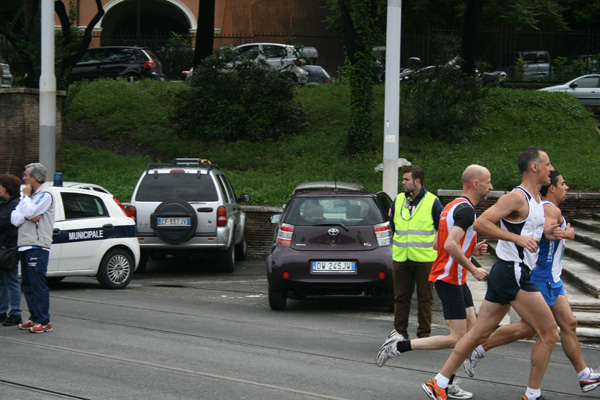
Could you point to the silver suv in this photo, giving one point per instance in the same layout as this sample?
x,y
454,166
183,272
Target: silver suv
x,y
186,207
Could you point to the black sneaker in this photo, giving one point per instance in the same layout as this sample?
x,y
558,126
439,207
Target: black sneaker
x,y
12,320
3,317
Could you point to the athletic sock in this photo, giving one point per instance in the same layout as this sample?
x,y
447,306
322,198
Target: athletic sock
x,y
403,346
480,350
533,394
442,381
584,374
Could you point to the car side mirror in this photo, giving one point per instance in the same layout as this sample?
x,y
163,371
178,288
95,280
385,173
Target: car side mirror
x,y
244,198
573,85
274,219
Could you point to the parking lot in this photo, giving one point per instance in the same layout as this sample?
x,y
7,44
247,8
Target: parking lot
x,y
183,330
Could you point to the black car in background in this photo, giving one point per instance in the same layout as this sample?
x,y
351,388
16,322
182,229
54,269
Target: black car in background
x,y
331,242
131,63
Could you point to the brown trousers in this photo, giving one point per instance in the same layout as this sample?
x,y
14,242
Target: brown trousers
x,y
406,275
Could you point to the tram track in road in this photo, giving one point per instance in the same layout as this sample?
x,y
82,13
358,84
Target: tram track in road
x,y
246,343
39,390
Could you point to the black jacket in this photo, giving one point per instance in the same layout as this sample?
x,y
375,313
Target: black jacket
x,y
8,232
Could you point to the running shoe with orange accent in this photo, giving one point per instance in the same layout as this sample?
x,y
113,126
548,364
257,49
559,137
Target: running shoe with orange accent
x,y
434,391
539,398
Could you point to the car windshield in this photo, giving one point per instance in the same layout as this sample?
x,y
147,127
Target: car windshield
x,y
187,187
348,211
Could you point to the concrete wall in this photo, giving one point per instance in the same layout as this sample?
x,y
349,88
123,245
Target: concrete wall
x,y
20,130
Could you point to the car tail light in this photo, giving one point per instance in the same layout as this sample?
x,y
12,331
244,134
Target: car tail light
x,y
177,171
149,64
284,236
125,210
221,216
383,234
327,81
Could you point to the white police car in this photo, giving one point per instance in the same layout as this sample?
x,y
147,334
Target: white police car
x,y
93,236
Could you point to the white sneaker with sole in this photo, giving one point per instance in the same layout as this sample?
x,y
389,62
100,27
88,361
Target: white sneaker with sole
x,y
455,392
388,349
471,362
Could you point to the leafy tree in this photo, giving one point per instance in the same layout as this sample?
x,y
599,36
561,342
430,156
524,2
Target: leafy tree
x,y
21,27
362,25
237,100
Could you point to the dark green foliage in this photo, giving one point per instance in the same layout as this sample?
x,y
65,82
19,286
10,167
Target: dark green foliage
x,y
231,100
443,103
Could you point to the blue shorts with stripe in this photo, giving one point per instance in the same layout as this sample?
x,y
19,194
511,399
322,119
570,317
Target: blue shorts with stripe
x,y
505,280
550,290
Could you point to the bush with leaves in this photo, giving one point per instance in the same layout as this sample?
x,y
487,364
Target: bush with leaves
x,y
442,104
230,99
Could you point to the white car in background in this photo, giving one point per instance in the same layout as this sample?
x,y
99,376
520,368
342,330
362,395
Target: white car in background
x,y
282,57
585,88
93,236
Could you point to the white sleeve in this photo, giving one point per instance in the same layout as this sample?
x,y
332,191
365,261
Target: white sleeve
x,y
27,209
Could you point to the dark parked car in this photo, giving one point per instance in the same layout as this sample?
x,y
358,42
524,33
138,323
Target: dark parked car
x,y
331,243
317,75
131,63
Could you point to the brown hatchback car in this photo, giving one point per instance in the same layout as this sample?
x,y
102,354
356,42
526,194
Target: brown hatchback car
x,y
331,243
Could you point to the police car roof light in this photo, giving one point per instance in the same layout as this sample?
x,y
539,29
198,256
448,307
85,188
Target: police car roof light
x,y
58,179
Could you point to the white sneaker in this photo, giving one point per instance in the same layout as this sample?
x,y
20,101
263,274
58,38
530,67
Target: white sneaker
x,y
455,392
471,362
388,349
591,382
393,333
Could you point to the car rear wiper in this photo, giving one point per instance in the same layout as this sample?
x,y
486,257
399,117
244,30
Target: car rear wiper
x,y
334,224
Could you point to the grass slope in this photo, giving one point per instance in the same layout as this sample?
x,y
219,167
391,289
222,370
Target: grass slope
x,y
269,170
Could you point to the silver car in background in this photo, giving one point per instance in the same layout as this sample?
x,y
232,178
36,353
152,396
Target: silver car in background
x,y
585,88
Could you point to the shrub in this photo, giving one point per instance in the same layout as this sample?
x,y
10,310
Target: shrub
x,y
235,100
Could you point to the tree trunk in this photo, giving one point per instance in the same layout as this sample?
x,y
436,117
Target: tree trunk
x,y
469,38
206,31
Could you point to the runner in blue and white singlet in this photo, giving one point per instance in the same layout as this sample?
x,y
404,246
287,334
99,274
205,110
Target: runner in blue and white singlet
x,y
550,256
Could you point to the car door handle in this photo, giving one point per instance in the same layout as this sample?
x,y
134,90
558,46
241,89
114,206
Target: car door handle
x,y
56,231
204,209
107,226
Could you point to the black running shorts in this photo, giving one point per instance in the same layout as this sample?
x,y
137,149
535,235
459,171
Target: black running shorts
x,y
455,299
506,279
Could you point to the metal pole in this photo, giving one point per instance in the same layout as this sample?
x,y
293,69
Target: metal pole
x,y
391,134
47,150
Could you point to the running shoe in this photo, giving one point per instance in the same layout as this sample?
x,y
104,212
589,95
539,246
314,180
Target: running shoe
x,y
393,333
41,328
471,362
591,382
388,350
455,392
539,398
27,325
434,391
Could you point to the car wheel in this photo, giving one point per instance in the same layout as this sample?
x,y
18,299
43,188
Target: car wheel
x,y
116,269
241,249
171,209
277,298
131,78
226,260
143,262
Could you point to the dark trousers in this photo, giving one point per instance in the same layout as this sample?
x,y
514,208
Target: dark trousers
x,y
34,265
406,275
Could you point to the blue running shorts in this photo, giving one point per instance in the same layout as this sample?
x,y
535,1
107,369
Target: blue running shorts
x,y
551,290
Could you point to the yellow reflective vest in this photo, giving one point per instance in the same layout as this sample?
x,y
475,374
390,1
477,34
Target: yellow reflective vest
x,y
414,234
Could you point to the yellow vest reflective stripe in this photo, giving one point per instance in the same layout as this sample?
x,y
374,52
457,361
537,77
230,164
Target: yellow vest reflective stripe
x,y
414,235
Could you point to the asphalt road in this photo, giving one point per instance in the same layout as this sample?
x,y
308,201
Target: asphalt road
x,y
182,331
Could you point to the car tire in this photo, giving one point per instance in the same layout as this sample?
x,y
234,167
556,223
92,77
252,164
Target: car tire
x,y
143,262
241,250
277,299
226,260
178,234
116,269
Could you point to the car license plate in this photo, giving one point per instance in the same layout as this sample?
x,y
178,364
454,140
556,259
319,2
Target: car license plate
x,y
173,221
343,267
